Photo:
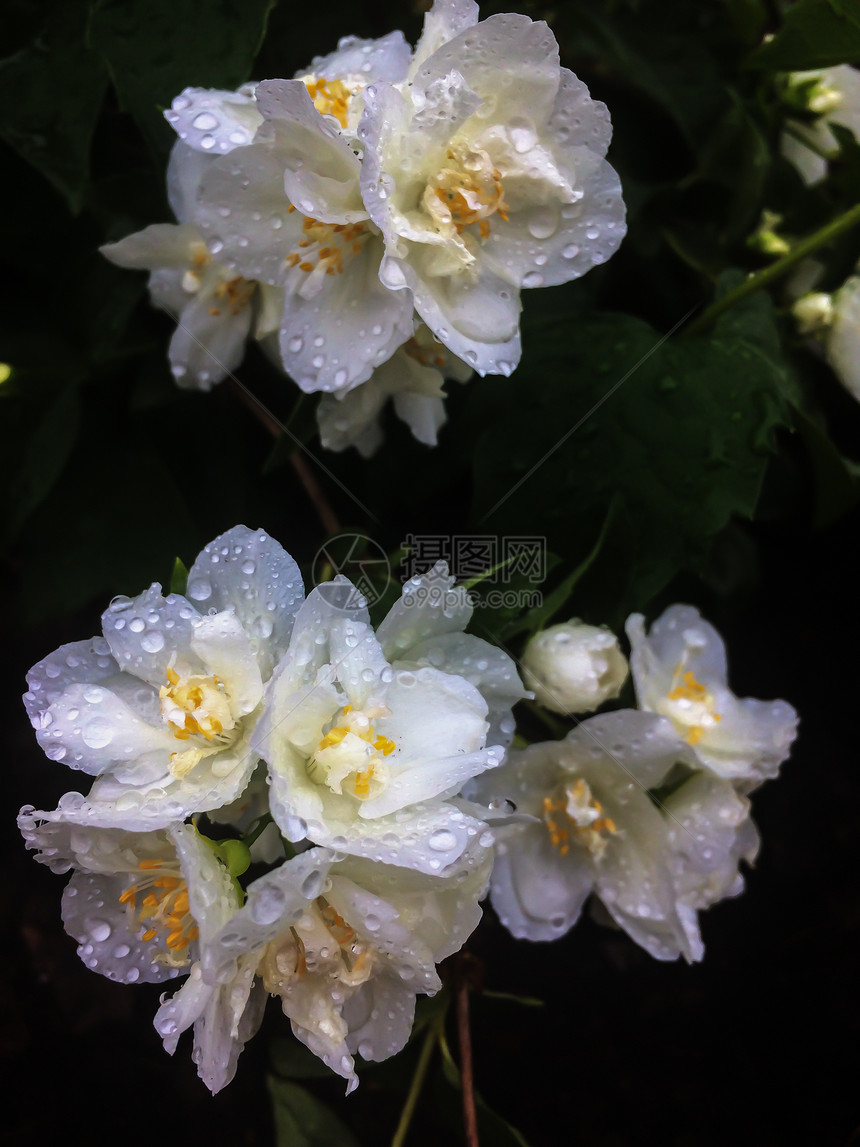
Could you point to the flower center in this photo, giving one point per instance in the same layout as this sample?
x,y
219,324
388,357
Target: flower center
x,y
321,943
325,245
230,294
349,756
331,97
196,707
158,903
689,703
582,820
468,192
425,355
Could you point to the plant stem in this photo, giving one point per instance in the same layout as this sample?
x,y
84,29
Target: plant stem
x,y
314,491
464,1040
417,1083
753,283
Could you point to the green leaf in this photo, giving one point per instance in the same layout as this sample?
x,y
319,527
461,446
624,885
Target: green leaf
x,y
301,1120
156,48
677,432
814,34
50,97
178,576
554,601
509,997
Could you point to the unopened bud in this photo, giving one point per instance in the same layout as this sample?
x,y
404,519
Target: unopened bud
x,y
573,667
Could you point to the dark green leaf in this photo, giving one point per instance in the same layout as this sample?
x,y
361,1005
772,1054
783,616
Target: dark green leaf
x,y
814,34
50,96
677,432
301,1120
156,48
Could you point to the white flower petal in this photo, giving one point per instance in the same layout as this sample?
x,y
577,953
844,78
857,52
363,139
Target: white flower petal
x,y
488,668
89,661
208,343
379,1018
536,893
321,171
96,728
444,20
334,339
215,122
430,606
252,574
225,649
108,938
149,633
162,245
384,59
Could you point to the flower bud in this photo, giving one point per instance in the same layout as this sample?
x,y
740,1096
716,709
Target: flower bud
x,y
573,667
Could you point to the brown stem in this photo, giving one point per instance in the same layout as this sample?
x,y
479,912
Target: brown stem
x,y
259,411
326,514
464,1039
312,488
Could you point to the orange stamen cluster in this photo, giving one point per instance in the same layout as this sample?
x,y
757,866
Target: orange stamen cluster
x,y
422,355
459,192
330,97
693,690
192,698
342,933
565,830
234,294
332,240
159,902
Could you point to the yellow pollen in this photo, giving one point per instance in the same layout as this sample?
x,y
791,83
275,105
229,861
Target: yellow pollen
x,y
690,690
150,934
471,198
330,97
324,245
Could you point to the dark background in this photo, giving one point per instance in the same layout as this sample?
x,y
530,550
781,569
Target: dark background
x,y
755,1046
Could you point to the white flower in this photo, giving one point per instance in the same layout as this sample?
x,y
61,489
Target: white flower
x,y
484,172
287,211
425,628
680,671
161,708
347,945
842,339
127,902
368,737
587,824
573,667
412,378
214,308
834,95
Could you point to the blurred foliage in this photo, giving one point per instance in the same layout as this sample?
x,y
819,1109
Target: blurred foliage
x,y
641,458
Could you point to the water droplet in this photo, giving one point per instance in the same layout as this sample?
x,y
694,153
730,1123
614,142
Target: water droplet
x,y
100,930
312,885
532,279
570,251
442,840
207,142
205,121
200,589
152,642
97,734
522,133
295,344
137,625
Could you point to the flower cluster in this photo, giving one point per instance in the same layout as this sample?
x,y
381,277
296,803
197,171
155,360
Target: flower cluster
x,y
214,721
644,808
360,772
373,220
